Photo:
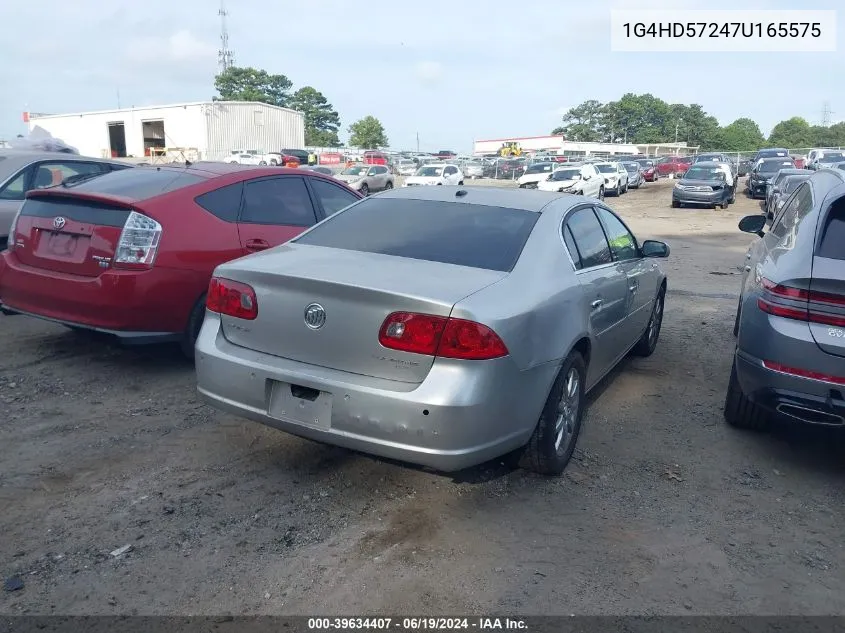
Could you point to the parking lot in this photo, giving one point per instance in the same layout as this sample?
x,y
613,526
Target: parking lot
x,y
664,510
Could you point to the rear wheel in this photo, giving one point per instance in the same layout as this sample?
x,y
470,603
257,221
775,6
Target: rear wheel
x,y
389,185
725,204
192,331
365,190
262,162
675,204
739,410
601,193
553,441
461,184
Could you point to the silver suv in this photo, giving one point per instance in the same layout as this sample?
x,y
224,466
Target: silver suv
x,y
790,322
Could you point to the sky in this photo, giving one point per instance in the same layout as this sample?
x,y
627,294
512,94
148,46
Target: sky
x,y
450,71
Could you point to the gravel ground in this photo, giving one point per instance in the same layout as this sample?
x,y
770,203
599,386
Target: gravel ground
x,y
664,510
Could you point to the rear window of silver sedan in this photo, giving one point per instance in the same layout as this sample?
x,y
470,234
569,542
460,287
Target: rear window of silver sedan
x,y
473,235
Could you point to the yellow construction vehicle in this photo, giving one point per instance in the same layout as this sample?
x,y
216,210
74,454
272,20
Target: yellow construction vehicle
x,y
511,148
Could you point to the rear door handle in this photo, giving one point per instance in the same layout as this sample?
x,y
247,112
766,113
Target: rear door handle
x,y
257,245
595,304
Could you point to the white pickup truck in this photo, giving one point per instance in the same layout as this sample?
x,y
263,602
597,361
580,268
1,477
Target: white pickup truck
x,y
244,157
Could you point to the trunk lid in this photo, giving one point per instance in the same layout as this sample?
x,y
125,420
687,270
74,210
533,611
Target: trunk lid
x,y
827,298
356,291
77,235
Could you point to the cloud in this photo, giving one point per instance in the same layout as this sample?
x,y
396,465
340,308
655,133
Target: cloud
x,y
179,48
429,72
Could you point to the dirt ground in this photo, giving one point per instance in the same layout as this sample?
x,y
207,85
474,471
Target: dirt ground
x,y
664,510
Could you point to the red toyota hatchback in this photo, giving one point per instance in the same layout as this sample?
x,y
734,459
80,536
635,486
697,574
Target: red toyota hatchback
x,y
131,253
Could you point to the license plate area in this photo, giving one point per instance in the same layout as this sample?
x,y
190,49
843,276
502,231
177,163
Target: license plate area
x,y
300,404
68,247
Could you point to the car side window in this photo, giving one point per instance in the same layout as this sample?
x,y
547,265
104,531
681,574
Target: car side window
x,y
15,189
571,247
283,201
589,238
622,243
53,173
332,197
798,206
224,202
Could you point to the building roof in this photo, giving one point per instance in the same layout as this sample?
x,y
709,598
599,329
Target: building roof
x,y
36,117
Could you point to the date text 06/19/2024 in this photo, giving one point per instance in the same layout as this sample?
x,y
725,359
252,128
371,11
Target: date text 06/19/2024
x,y
681,30
416,624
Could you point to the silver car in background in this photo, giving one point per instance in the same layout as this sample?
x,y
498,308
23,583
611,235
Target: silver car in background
x,y
442,326
473,169
23,170
635,174
790,322
367,179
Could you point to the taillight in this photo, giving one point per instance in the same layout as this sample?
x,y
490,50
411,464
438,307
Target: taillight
x,y
440,336
806,312
231,298
138,243
10,240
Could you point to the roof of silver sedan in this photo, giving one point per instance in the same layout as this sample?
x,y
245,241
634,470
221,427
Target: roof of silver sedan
x,y
524,199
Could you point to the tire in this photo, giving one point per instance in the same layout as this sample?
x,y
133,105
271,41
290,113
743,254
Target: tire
x,y
601,193
189,337
740,412
461,184
388,185
262,162
556,434
736,320
274,163
675,204
725,204
365,190
648,341
625,190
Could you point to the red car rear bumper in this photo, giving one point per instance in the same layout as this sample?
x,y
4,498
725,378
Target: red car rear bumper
x,y
139,306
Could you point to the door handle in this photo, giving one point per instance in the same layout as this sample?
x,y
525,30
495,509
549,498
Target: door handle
x,y
257,245
632,287
595,304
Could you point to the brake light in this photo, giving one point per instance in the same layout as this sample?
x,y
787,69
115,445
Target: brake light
x,y
231,298
138,243
773,291
440,336
10,240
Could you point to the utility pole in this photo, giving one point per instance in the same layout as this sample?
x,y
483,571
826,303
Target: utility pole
x,y
676,131
118,98
225,57
418,142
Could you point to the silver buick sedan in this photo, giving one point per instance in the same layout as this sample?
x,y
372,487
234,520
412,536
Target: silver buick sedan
x,y
443,326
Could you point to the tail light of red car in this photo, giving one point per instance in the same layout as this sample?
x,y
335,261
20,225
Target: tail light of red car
x,y
138,244
440,336
774,292
231,298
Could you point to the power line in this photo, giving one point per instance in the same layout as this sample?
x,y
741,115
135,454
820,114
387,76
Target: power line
x,y
225,57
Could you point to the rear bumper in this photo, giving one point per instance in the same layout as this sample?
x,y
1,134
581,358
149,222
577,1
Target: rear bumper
x,y
799,399
462,414
138,306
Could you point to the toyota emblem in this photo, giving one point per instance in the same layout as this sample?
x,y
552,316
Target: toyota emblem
x,y
59,222
315,316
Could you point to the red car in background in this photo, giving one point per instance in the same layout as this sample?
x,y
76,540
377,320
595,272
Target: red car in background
x,y
374,158
131,253
673,165
649,169
800,161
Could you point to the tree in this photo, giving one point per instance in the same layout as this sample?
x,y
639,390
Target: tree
x,y
833,136
368,133
792,133
582,123
743,135
321,120
250,84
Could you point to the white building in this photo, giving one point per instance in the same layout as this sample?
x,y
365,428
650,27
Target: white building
x,y
208,130
560,145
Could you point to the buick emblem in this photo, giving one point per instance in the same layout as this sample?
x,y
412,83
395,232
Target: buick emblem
x,y
315,316
59,222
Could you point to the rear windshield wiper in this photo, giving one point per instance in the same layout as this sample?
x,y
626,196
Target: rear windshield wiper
x,y
75,179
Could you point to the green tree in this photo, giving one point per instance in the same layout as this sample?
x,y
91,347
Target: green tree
x,y
321,120
368,133
833,136
583,122
792,133
743,135
250,84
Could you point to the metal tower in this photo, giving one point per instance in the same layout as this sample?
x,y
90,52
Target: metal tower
x,y
826,112
225,57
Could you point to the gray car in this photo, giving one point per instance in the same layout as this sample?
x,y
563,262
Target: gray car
x,y
443,326
790,322
703,184
773,186
635,175
367,179
22,170
782,192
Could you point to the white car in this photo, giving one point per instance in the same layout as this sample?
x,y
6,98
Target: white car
x,y
582,180
436,174
534,174
248,158
405,167
615,177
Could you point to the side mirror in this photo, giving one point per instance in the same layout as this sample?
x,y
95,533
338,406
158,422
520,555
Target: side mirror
x,y
753,224
653,248
586,176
